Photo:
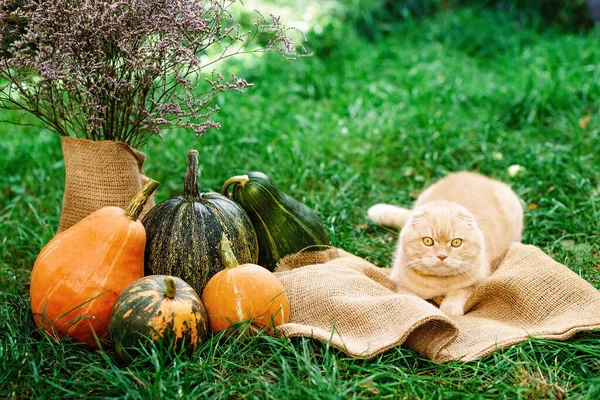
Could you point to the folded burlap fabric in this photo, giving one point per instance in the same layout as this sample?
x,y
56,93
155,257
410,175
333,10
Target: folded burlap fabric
x,y
339,298
99,174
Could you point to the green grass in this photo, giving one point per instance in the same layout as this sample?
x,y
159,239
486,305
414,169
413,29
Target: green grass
x,y
363,123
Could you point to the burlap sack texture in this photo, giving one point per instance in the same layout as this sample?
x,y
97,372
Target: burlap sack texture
x,y
342,299
99,174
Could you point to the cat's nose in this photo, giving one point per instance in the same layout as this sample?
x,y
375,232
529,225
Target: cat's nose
x,y
442,257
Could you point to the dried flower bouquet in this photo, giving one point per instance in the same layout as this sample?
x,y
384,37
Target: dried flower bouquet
x,y
109,75
124,70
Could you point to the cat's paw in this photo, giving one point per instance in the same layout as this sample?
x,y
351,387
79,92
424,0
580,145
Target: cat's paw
x,y
452,308
378,213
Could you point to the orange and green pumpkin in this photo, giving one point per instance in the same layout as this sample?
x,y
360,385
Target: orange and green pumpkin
x,y
159,308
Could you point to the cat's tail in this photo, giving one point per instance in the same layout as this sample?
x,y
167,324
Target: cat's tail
x,y
389,215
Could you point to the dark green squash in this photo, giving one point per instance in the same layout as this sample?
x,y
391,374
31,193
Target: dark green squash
x,y
183,233
283,225
160,308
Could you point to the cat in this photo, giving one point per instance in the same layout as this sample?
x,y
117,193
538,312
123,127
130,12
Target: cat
x,y
449,240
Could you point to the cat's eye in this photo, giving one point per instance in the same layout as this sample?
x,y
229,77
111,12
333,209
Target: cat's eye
x,y
427,241
456,242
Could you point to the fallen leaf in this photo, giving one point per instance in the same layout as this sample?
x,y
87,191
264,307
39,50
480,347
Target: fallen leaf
x,y
369,386
569,244
361,226
584,121
515,170
532,206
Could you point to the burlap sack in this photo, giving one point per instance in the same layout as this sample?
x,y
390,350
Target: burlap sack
x,y
342,299
99,174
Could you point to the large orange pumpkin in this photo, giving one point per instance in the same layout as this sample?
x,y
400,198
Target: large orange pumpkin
x,y
245,292
78,275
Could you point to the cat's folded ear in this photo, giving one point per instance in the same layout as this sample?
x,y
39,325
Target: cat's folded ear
x,y
417,216
467,217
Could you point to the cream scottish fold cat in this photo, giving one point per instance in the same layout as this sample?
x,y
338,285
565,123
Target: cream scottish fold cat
x,y
457,227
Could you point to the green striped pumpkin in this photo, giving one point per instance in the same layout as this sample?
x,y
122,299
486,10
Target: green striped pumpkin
x,y
183,233
283,225
160,308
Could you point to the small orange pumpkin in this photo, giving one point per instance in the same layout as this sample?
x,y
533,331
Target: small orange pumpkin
x,y
244,292
78,275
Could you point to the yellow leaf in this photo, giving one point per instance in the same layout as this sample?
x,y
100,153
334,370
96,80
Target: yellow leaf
x,y
584,121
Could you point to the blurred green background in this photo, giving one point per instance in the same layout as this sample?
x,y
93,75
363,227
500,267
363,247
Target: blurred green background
x,y
396,95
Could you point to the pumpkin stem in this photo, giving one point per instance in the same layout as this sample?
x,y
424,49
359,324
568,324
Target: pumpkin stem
x,y
241,180
190,183
227,253
171,288
136,205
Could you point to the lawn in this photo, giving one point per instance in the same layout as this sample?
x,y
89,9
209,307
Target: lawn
x,y
358,123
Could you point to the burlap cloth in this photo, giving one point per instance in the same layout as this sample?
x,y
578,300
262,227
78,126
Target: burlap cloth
x,y
342,299
99,174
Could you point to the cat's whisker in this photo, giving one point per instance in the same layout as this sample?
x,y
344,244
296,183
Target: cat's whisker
x,y
466,267
411,263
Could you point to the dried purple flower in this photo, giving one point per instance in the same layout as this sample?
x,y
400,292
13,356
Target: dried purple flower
x,y
122,70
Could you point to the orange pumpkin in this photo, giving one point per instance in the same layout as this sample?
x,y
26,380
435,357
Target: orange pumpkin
x,y
78,275
242,293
